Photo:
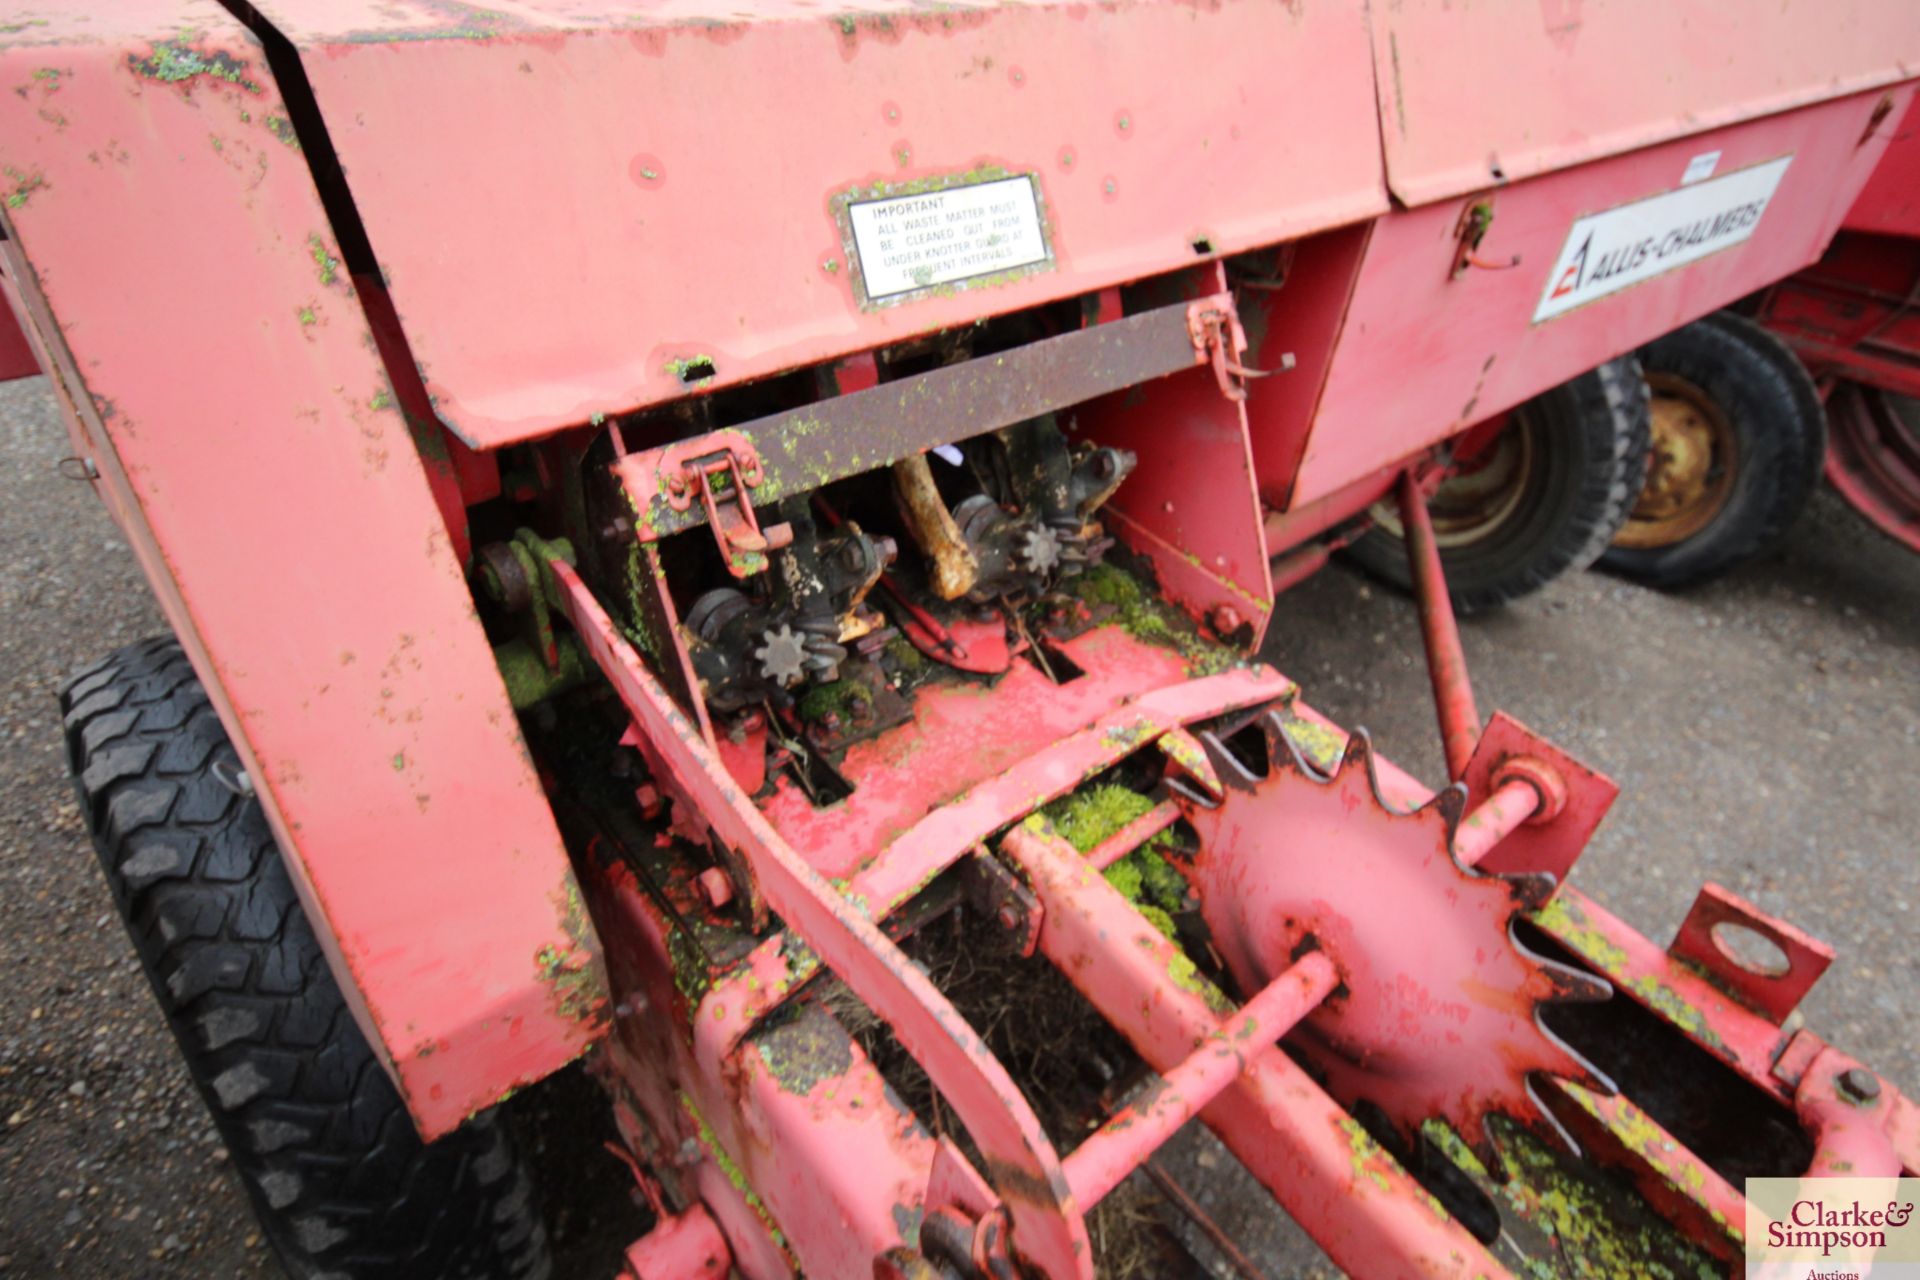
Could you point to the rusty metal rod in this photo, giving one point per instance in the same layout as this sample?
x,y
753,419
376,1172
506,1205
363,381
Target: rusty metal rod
x,y
1133,835
1511,804
1446,662
1137,1130
1203,1222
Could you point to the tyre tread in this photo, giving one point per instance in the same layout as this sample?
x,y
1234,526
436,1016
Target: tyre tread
x,y
340,1180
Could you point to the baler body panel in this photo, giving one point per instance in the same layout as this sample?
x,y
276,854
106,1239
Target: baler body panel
x,y
188,297
578,221
1851,319
1889,204
1476,94
1467,340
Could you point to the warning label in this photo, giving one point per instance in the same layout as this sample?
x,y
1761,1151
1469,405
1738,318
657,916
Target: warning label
x,y
1611,251
908,243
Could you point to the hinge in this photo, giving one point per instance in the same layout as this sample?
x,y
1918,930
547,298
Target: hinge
x,y
1218,340
721,479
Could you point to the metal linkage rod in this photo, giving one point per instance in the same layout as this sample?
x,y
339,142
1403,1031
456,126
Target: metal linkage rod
x,y
1446,662
1497,817
1140,1128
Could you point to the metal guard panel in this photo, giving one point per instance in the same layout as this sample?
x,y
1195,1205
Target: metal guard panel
x,y
569,212
1474,94
1467,346
222,373
1890,202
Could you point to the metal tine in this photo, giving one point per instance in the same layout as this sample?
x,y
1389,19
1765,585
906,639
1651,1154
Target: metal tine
x,y
1570,985
1283,750
1232,772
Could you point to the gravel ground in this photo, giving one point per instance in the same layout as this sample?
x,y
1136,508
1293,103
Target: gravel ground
x,y
1766,732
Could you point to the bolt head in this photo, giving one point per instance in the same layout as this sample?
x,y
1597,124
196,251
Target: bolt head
x,y
1858,1084
1010,916
1225,619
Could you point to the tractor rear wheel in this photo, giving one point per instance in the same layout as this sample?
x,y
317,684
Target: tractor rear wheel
x,y
339,1179
1738,439
1543,497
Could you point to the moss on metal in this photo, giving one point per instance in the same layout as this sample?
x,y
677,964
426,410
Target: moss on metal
x,y
837,698
282,129
735,1177
576,988
682,366
1565,921
530,680
324,262
1089,816
907,660
1321,745
24,185
1562,1221
1370,1161
176,62
1146,617
803,1046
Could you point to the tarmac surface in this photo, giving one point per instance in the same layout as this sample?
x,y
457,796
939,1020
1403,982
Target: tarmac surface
x,y
1765,731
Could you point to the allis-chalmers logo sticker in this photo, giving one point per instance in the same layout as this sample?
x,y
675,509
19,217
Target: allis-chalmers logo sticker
x,y
1833,1229
1608,252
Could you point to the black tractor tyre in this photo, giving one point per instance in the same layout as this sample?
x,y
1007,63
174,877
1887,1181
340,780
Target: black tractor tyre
x,y
1571,463
338,1176
1769,428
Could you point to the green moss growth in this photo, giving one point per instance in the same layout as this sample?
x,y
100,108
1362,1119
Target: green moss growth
x,y
327,265
906,659
1089,816
174,62
1596,1229
838,698
24,185
1146,617
528,678
691,370
282,129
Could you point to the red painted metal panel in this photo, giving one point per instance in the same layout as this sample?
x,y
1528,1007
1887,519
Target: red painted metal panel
x,y
1890,202
220,369
1581,79
1190,507
564,212
1425,353
16,354
1296,317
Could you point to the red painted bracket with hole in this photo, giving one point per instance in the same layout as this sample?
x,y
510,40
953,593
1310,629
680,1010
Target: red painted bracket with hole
x,y
1721,921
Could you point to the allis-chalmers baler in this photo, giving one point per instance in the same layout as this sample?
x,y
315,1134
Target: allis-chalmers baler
x,y
735,542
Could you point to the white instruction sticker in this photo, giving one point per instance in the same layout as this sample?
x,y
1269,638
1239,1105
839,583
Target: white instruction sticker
x,y
1700,168
1611,251
913,242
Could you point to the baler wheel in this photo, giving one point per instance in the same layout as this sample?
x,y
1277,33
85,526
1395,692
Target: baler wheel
x,y
339,1179
1544,496
1738,439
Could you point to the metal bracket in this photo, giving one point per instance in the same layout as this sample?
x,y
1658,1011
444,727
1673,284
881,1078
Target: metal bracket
x,y
1002,896
1218,339
1508,750
1476,219
1773,992
736,529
